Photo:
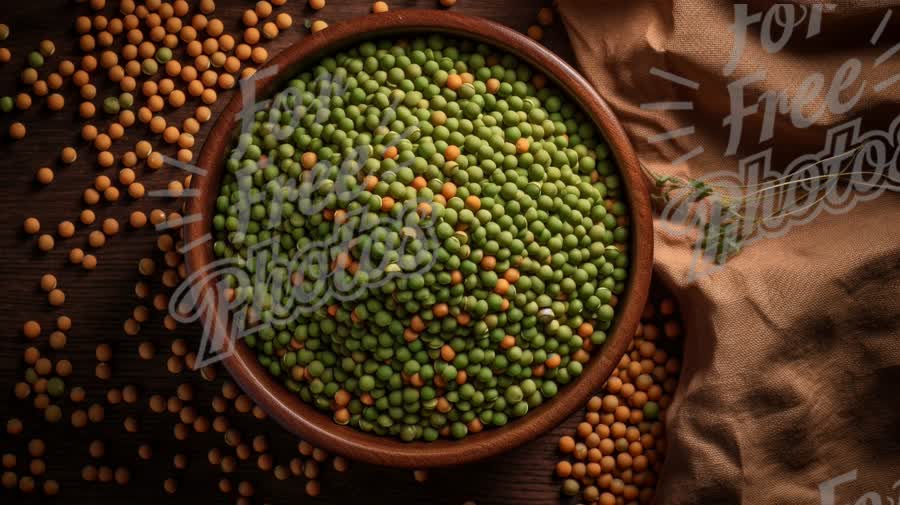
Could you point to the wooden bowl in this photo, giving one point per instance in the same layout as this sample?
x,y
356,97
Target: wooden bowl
x,y
318,428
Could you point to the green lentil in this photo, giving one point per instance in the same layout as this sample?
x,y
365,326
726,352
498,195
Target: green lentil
x,y
149,66
111,105
571,487
163,54
56,387
35,59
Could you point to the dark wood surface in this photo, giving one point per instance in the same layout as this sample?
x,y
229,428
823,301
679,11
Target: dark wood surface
x,y
101,300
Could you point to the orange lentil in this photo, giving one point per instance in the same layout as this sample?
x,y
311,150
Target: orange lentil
x,y
157,124
105,159
155,161
56,102
44,175
209,78
115,131
80,78
522,145
157,216
195,88
155,103
133,69
91,196
208,96
40,88
259,55
87,216
190,125
66,229
104,39
535,32
251,36
203,114
129,51
29,76
263,9
111,194
242,52
17,131
83,24
143,149
116,73
210,46
226,81
56,297
136,190
96,239
215,27
54,81
199,21
283,21
102,142
176,98
66,68
31,329
270,30
126,176
110,226
87,43
87,110
165,86
137,219
45,243
89,132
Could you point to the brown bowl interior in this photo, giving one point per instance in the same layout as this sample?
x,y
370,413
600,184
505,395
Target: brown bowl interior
x,y
316,427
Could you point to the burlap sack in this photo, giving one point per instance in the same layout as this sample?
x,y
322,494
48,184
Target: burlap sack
x,y
792,359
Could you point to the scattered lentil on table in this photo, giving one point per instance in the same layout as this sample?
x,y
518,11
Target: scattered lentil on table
x,y
617,451
150,81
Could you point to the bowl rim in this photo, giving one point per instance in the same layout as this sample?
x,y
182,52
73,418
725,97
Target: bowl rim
x,y
305,420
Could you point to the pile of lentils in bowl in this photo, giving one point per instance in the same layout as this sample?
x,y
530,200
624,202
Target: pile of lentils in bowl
x,y
481,223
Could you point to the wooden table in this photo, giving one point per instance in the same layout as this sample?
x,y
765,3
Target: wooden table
x,y
100,301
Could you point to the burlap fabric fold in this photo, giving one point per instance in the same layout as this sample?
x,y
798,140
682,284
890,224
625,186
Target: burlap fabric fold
x,y
791,387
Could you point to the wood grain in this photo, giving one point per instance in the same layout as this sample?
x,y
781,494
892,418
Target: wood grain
x,y
101,300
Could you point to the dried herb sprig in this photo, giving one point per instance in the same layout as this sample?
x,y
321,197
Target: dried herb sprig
x,y
737,212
